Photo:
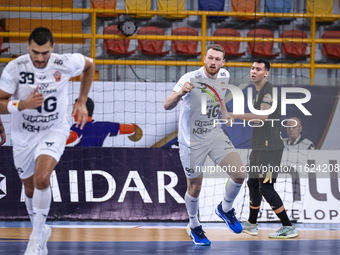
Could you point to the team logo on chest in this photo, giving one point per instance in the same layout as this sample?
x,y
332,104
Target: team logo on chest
x,y
57,76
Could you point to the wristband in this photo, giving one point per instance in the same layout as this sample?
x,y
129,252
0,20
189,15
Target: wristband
x,y
13,106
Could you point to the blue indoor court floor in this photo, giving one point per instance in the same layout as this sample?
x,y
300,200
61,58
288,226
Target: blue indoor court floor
x,y
168,238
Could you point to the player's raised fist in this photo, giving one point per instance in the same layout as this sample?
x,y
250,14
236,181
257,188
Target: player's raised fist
x,y
33,101
187,87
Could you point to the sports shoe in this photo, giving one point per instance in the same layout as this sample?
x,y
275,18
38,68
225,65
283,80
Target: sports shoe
x,y
46,236
249,228
197,236
285,232
229,218
34,246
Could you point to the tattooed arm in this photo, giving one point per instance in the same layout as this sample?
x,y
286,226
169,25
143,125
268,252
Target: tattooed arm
x,y
2,133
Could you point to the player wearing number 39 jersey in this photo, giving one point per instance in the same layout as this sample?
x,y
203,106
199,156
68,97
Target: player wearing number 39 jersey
x,y
34,90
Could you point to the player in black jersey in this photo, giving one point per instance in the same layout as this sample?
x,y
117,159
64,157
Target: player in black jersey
x,y
267,149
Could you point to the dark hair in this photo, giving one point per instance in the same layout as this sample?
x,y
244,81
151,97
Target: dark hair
x,y
216,47
265,62
41,35
89,106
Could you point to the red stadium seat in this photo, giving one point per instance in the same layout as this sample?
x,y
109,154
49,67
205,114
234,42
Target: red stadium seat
x,y
1,41
151,47
185,47
105,4
261,49
116,46
293,49
331,50
231,48
245,6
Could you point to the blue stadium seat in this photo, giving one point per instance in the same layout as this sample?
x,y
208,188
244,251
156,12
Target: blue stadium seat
x,y
280,6
208,5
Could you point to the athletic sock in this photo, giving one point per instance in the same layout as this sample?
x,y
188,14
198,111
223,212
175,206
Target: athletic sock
x,y
41,207
29,207
192,207
284,218
231,190
253,215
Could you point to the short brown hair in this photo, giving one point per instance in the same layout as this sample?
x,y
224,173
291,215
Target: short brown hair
x,y
216,47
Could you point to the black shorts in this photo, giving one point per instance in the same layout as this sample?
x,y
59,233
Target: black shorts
x,y
265,161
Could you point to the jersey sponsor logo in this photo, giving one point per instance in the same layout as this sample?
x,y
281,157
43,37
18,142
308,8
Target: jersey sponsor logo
x,y
58,62
31,128
223,74
200,131
49,144
42,77
40,118
57,76
198,76
267,98
204,123
43,86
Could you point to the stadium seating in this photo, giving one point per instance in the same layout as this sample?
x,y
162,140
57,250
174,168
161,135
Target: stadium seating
x,y
116,46
215,5
37,3
321,7
293,49
55,25
172,5
139,5
1,41
105,4
185,47
245,6
151,47
231,48
261,49
282,6
331,50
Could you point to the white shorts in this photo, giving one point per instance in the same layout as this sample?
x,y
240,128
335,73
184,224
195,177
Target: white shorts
x,y
217,149
52,143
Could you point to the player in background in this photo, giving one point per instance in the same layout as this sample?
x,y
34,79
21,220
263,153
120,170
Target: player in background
x,y
294,140
267,149
195,146
33,89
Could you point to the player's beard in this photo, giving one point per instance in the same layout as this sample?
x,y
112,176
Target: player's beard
x,y
212,73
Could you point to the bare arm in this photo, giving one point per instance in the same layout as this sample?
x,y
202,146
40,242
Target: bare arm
x,y
2,133
252,116
86,81
174,98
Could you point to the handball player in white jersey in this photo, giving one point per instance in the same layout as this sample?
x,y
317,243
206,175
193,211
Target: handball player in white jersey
x,y
33,89
199,138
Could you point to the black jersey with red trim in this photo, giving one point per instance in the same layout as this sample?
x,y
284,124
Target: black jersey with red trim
x,y
267,137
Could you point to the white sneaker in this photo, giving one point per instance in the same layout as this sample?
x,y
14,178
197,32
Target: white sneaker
x,y
285,232
46,236
249,228
34,246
